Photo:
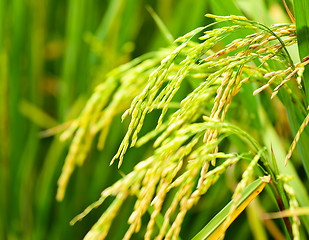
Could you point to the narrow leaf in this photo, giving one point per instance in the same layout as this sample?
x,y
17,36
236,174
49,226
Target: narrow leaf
x,y
163,29
218,224
301,9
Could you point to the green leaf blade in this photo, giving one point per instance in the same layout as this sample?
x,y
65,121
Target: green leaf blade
x,y
212,228
301,9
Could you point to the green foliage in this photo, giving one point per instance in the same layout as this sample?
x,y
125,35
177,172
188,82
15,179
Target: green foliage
x,y
203,115
184,146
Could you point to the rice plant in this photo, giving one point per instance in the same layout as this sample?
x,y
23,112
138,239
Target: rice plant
x,y
196,127
189,155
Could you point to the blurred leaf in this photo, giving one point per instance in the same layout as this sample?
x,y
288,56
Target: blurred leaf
x,y
37,115
301,9
164,30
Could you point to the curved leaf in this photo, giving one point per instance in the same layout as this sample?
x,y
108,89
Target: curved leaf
x,y
214,229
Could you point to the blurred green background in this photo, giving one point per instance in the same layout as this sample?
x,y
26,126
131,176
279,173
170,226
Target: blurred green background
x,y
52,55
